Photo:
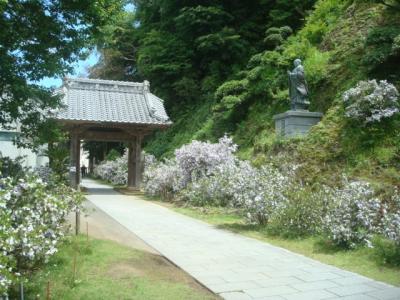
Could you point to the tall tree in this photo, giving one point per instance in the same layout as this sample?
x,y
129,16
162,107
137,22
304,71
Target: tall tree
x,y
41,38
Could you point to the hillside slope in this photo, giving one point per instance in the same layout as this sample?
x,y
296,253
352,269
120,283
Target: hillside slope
x,y
341,43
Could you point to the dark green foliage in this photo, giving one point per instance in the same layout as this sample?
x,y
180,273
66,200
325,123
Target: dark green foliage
x,y
187,49
302,215
98,151
290,12
276,36
12,167
41,39
118,59
112,155
387,251
380,44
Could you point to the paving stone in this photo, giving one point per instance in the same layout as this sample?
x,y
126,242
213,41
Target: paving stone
x,y
388,294
229,263
270,298
235,296
211,280
232,286
245,277
351,289
319,276
315,285
271,291
356,297
352,280
278,281
310,295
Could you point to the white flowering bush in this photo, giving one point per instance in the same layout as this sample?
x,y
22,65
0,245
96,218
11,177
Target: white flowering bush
x,y
220,188
371,101
45,173
199,159
32,218
302,212
163,179
355,216
114,171
191,166
387,248
391,221
262,193
7,262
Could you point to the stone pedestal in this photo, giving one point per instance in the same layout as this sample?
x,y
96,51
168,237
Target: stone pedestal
x,y
296,122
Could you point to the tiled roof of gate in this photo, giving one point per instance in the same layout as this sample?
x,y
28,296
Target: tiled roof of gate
x,y
111,101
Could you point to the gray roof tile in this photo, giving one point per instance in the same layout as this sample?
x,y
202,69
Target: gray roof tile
x,y
97,100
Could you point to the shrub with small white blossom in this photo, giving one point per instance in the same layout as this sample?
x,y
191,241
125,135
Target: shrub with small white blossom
x,y
302,212
162,179
391,223
199,159
371,101
192,164
44,172
114,171
218,189
261,193
32,217
355,216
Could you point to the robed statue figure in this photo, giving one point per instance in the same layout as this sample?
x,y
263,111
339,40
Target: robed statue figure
x,y
298,90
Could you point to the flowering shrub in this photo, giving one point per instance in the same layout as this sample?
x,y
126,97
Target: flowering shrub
x,y
31,218
199,159
391,222
355,216
261,193
192,165
371,101
302,212
162,179
218,189
45,173
258,191
12,167
114,171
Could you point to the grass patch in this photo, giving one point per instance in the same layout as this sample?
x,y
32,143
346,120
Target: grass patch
x,y
107,270
362,261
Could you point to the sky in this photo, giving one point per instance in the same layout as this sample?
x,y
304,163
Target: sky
x,y
81,67
80,70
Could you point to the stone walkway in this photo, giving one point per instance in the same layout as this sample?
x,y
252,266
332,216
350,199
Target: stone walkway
x,y
231,265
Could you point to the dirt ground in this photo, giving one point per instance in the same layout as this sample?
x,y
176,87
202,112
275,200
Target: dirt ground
x,y
99,225
102,226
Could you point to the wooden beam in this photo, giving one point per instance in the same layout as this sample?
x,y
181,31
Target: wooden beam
x,y
105,136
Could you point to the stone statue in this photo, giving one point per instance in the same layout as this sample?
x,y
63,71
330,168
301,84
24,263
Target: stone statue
x,y
298,90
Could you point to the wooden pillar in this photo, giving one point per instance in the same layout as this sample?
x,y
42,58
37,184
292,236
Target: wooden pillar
x,y
134,163
74,172
78,163
138,160
74,165
131,164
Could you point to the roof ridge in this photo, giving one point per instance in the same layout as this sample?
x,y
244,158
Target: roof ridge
x,y
102,81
